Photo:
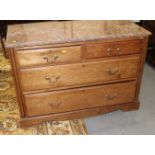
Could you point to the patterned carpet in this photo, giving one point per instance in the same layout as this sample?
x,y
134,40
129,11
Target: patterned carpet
x,y
9,113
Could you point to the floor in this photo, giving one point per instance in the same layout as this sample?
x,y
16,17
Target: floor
x,y
140,122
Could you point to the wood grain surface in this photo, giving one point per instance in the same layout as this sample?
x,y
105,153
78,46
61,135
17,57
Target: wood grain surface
x,y
21,35
75,99
77,74
73,69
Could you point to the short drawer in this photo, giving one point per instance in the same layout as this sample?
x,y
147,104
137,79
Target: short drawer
x,y
75,99
112,49
48,56
71,75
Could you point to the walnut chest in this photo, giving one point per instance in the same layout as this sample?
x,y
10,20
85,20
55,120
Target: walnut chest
x,y
74,69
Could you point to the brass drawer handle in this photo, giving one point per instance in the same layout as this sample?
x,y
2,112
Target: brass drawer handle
x,y
50,79
55,57
111,96
113,71
46,58
109,51
55,105
118,51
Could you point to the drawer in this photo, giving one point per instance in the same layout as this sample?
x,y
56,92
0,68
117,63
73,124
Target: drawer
x,y
48,56
71,75
75,99
112,49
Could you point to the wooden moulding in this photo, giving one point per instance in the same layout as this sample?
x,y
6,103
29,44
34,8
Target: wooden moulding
x,y
29,121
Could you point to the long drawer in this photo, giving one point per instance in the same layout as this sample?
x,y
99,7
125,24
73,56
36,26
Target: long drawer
x,y
79,74
51,56
75,99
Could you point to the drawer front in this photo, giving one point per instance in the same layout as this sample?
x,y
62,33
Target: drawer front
x,y
112,49
48,56
79,74
75,99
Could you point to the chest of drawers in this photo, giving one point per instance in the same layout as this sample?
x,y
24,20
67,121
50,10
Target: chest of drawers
x,y
75,69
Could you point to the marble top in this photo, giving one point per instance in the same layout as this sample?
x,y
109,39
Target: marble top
x,y
57,32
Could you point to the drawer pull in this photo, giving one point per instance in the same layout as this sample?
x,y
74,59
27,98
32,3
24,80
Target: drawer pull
x,y
109,51
55,105
113,71
46,58
55,57
50,80
118,50
111,96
